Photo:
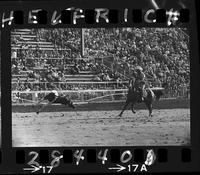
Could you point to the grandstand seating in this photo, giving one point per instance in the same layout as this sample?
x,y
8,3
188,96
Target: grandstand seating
x,y
29,39
163,53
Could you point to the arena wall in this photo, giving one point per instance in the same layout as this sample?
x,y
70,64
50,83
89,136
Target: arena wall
x,y
162,104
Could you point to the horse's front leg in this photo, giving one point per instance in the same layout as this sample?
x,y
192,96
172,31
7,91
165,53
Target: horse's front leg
x,y
124,108
150,108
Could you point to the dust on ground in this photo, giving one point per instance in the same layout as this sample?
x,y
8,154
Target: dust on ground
x,y
101,128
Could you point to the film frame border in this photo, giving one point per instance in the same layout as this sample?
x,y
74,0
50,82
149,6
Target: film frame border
x,y
9,144
114,155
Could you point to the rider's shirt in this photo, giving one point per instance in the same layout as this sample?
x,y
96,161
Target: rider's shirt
x,y
50,97
140,80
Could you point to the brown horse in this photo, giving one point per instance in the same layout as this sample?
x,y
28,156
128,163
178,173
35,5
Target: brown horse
x,y
134,96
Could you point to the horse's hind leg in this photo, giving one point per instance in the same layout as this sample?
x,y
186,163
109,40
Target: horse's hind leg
x,y
150,108
132,108
124,108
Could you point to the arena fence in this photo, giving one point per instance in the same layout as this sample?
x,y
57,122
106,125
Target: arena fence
x,y
172,91
75,95
77,83
74,85
80,96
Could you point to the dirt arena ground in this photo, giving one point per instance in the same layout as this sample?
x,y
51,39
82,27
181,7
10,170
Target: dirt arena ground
x,y
101,128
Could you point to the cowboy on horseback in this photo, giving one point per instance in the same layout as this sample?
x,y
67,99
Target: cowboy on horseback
x,y
140,81
139,91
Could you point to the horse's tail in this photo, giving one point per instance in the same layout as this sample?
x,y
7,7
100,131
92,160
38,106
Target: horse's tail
x,y
158,94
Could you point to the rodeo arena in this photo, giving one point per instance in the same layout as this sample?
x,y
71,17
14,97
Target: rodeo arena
x,y
90,70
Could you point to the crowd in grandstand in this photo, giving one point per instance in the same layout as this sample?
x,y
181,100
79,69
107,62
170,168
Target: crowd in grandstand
x,y
163,53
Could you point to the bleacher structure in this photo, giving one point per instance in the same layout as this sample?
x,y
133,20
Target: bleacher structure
x,y
29,38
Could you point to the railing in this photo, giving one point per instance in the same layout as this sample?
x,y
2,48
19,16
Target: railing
x,y
75,95
75,85
81,83
88,95
37,58
41,49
